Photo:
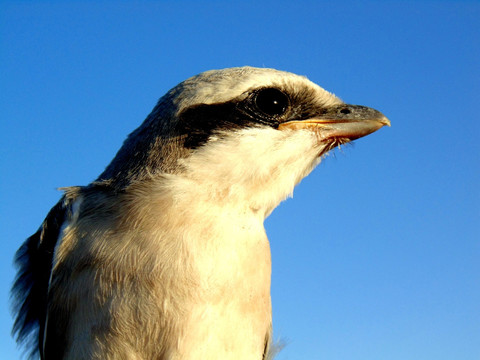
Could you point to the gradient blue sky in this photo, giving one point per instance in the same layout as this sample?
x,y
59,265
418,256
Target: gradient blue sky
x,y
377,256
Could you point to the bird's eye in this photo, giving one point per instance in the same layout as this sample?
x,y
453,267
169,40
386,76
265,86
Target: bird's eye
x,y
271,101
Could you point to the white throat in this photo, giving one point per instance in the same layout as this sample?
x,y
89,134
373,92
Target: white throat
x,y
253,168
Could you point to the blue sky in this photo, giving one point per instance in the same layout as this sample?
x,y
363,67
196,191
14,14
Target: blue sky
x,y
377,256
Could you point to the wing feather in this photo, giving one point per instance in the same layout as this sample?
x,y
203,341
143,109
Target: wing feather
x,y
30,290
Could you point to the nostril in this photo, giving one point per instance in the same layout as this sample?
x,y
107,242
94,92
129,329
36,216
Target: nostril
x,y
345,111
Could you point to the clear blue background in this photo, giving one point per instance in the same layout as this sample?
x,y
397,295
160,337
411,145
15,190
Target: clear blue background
x,y
377,256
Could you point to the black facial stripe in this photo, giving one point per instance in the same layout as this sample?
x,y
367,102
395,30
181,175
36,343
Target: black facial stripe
x,y
197,123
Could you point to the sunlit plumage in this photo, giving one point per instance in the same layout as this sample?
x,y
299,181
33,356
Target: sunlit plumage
x,y
165,255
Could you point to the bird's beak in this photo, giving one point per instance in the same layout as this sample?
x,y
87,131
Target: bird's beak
x,y
348,122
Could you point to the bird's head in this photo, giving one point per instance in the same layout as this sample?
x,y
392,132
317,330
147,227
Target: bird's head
x,y
247,132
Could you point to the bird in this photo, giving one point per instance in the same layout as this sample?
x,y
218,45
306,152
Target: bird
x,y
165,255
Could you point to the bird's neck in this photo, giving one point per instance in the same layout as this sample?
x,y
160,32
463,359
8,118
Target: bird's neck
x,y
209,218
253,168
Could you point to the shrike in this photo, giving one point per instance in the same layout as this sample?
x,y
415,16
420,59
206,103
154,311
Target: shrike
x,y
165,256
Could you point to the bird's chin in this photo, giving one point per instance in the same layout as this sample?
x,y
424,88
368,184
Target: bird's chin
x,y
329,144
